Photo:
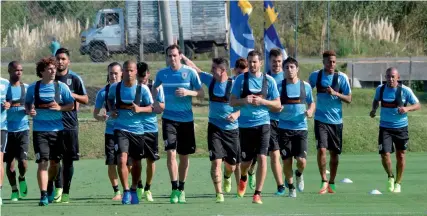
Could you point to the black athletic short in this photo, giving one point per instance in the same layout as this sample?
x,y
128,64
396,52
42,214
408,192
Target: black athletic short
x,y
293,143
17,146
130,143
328,136
274,136
388,136
110,151
48,145
179,136
223,144
254,141
151,147
71,144
3,141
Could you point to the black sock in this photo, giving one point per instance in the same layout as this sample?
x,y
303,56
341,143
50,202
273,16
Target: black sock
x,y
226,177
116,188
21,179
43,193
147,187
281,187
391,176
174,185
140,184
331,182
15,190
244,178
49,187
257,192
297,173
181,186
324,180
58,179
251,174
291,186
124,191
68,175
133,189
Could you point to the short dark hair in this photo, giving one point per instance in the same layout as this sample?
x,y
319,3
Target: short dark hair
x,y
63,50
220,61
173,46
275,52
241,63
290,60
44,63
128,62
329,53
142,69
255,53
113,64
12,64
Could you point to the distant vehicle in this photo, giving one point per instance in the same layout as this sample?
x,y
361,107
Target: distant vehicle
x,y
115,30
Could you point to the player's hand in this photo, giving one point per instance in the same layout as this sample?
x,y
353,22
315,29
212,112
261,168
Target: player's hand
x,y
6,105
309,113
331,91
31,112
102,117
402,110
372,113
232,117
249,99
181,92
55,106
156,108
257,101
114,114
135,108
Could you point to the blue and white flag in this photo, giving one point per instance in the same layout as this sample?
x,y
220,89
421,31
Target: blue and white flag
x,y
271,39
241,37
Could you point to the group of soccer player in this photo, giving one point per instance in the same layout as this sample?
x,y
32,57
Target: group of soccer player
x,y
251,115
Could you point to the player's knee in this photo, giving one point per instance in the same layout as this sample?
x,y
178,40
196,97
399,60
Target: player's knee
x,y
43,164
321,151
385,155
400,154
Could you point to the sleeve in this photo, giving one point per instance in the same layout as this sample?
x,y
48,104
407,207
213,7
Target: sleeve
x,y
195,80
312,79
100,99
161,95
411,97
206,78
273,93
237,87
146,95
29,96
377,93
158,80
345,85
309,94
66,94
80,87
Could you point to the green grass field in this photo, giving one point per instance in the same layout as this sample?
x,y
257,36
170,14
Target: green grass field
x,y
91,192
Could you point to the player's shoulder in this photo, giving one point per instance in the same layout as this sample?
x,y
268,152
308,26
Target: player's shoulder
x,y
342,75
163,70
62,85
145,88
270,79
102,90
26,85
315,72
306,84
407,89
188,68
4,81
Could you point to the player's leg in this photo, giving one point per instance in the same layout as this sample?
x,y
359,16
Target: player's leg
x,y
335,148
12,148
216,154
186,146
231,147
24,140
122,142
251,174
57,149
299,150
321,134
151,152
274,153
285,144
2,150
385,148
71,142
170,142
136,152
401,141
248,137
261,149
111,162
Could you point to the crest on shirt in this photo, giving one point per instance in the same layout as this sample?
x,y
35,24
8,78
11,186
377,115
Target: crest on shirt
x,y
69,81
184,75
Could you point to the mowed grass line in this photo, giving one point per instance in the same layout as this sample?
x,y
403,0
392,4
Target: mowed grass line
x,y
91,192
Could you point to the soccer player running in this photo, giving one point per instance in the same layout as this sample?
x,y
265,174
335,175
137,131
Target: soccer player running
x,y
332,88
394,98
276,71
149,121
114,76
18,137
4,85
292,132
71,124
180,84
45,101
125,100
255,93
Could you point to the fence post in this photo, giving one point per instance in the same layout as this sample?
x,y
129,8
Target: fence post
x,y
410,72
166,24
140,56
